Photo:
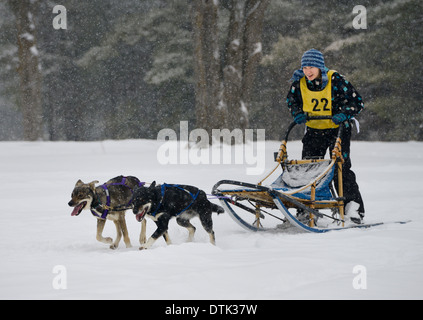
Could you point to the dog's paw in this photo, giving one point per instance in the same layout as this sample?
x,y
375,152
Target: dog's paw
x,y
113,246
148,244
108,240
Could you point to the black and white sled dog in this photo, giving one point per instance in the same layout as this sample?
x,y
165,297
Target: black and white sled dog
x,y
107,202
162,202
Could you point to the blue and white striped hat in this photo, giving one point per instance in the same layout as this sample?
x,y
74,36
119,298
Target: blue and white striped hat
x,y
313,58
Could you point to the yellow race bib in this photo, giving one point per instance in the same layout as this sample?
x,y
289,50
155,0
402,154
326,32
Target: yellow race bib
x,y
318,103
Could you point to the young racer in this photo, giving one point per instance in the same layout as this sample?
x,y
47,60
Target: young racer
x,y
318,91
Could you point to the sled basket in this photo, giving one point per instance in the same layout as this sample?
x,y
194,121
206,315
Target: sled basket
x,y
297,179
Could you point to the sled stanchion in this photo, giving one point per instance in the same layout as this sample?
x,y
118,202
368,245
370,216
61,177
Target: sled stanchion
x,y
313,198
341,194
258,216
337,155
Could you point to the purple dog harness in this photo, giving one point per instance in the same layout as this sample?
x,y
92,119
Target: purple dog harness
x,y
108,201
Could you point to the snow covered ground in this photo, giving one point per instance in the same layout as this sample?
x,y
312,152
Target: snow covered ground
x,y
45,249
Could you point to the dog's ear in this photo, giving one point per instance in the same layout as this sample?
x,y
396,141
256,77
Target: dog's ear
x,y
79,183
92,184
153,184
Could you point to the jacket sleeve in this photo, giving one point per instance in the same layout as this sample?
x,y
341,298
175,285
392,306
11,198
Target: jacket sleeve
x,y
294,99
346,98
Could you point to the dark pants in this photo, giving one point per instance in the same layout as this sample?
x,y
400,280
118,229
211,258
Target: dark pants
x,y
315,144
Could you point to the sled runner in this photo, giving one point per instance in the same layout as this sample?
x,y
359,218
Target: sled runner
x,y
303,197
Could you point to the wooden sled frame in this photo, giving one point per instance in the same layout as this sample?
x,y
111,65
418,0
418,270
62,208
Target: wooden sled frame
x,y
268,197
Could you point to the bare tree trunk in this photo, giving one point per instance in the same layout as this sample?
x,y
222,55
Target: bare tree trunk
x,y
207,65
252,51
232,68
29,68
224,86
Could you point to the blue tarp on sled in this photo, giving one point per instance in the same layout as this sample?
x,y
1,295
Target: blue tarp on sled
x,y
296,180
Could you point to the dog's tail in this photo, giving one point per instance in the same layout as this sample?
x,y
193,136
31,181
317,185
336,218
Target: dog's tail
x,y
218,209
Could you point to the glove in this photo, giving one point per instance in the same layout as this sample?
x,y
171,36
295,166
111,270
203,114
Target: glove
x,y
300,118
339,118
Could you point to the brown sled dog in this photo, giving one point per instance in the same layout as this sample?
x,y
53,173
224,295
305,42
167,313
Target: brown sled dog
x,y
107,201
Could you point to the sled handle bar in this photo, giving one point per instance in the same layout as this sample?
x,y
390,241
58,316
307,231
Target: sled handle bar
x,y
293,124
282,149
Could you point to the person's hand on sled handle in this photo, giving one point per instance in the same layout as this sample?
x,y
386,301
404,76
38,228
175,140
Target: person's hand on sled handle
x,y
300,118
339,118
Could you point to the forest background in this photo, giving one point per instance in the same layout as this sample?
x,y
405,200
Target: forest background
x,y
127,69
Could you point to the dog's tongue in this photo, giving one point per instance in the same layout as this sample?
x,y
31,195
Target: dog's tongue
x,y
76,210
140,216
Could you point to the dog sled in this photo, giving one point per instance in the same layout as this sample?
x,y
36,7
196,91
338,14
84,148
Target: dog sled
x,y
303,197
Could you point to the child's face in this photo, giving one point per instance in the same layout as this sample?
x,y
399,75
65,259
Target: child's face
x,y
311,73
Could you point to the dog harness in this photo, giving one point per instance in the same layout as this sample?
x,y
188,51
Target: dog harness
x,y
108,201
163,190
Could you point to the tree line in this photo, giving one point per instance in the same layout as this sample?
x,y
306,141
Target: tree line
x,y
127,69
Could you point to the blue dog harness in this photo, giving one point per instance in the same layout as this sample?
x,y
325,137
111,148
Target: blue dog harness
x,y
163,190
108,201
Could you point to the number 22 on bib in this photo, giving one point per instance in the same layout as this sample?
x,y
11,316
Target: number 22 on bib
x,y
318,103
